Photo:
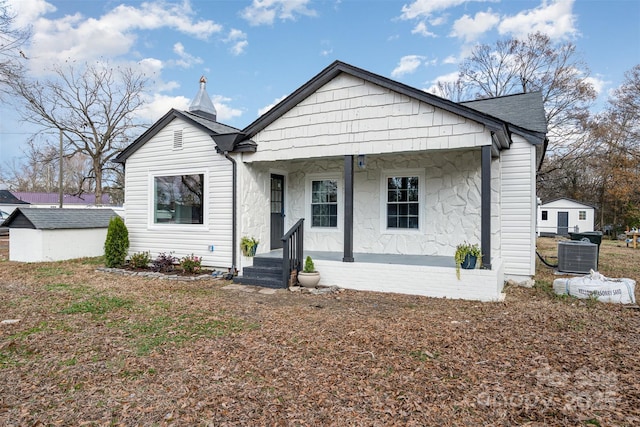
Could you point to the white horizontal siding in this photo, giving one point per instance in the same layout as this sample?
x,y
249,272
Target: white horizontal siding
x,y
351,116
198,155
518,203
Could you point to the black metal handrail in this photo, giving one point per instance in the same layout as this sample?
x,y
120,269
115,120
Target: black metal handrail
x,y
292,250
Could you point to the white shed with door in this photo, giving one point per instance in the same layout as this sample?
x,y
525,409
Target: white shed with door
x,y
564,216
51,234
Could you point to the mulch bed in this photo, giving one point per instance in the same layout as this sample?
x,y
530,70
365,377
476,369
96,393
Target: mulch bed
x,y
153,352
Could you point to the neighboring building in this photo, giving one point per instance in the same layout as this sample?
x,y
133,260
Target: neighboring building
x,y
563,216
9,202
387,178
52,200
46,234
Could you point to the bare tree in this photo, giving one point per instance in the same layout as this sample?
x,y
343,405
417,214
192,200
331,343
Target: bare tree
x,y
534,64
12,40
604,170
92,106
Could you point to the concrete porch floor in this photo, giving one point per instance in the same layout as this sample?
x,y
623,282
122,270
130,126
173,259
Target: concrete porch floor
x,y
394,259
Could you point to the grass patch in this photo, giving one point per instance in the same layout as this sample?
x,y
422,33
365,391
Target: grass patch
x,y
52,271
13,355
162,330
98,305
32,330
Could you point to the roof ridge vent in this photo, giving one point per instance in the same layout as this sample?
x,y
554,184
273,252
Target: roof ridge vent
x,y
201,104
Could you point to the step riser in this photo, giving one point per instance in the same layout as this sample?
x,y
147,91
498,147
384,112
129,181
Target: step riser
x,y
267,262
265,283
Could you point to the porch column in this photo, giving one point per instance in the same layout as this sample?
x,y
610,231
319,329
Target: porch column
x,y
348,209
485,207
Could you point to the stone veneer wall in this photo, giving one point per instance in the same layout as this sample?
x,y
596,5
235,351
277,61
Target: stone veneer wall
x,y
451,211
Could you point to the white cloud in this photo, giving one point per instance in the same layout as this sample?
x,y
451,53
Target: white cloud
x,y
445,78
225,112
158,105
238,40
554,18
264,12
263,110
186,60
470,29
111,35
421,28
27,11
425,8
408,64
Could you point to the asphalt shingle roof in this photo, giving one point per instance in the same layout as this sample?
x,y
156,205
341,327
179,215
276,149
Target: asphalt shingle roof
x,y
525,110
8,198
54,218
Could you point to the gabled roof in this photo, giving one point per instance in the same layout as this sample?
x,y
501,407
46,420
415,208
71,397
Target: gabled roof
x,y
499,126
210,127
54,218
568,199
8,198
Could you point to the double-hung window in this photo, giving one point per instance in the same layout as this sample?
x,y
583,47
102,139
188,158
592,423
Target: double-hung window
x,y
324,203
402,200
178,199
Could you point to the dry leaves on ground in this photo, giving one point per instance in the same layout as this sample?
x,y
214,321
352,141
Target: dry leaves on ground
x,y
96,348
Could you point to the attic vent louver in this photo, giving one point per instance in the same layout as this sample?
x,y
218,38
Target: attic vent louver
x,y
177,139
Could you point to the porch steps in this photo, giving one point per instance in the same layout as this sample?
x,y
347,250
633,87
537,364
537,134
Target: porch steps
x,y
265,272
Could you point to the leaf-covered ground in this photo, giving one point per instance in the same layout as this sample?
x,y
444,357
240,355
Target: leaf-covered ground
x,y
93,348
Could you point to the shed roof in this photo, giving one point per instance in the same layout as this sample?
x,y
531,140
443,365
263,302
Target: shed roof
x,y
8,198
54,218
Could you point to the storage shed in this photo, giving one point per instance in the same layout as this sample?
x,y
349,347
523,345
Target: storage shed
x,y
563,216
49,234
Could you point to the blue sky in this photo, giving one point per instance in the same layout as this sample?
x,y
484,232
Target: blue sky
x,y
254,53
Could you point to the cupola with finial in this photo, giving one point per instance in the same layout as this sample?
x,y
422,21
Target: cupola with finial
x,y
201,104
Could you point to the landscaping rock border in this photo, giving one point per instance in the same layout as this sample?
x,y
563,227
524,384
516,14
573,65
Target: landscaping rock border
x,y
156,275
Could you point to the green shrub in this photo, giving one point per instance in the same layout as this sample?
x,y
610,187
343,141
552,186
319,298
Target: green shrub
x,y
191,264
140,259
308,266
117,243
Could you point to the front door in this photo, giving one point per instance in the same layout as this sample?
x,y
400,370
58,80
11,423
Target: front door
x,y
563,223
277,210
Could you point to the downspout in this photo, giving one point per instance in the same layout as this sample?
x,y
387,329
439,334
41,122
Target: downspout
x,y
233,212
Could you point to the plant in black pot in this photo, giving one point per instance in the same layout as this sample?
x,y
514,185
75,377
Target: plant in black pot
x,y
248,246
466,256
309,277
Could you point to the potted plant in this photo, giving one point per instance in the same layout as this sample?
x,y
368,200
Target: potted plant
x,y
466,256
248,246
308,277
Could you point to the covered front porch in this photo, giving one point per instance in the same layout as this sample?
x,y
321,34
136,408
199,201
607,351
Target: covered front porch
x,y
427,275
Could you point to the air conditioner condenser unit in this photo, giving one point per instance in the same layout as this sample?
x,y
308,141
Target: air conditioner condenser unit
x,y
577,256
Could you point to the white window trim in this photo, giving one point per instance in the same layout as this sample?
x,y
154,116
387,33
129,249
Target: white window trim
x,y
151,225
307,197
421,200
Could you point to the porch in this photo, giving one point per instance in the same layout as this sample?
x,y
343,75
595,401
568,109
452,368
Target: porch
x,y
426,275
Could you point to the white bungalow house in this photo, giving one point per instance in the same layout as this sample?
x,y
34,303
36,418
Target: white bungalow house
x,y
376,180
564,216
